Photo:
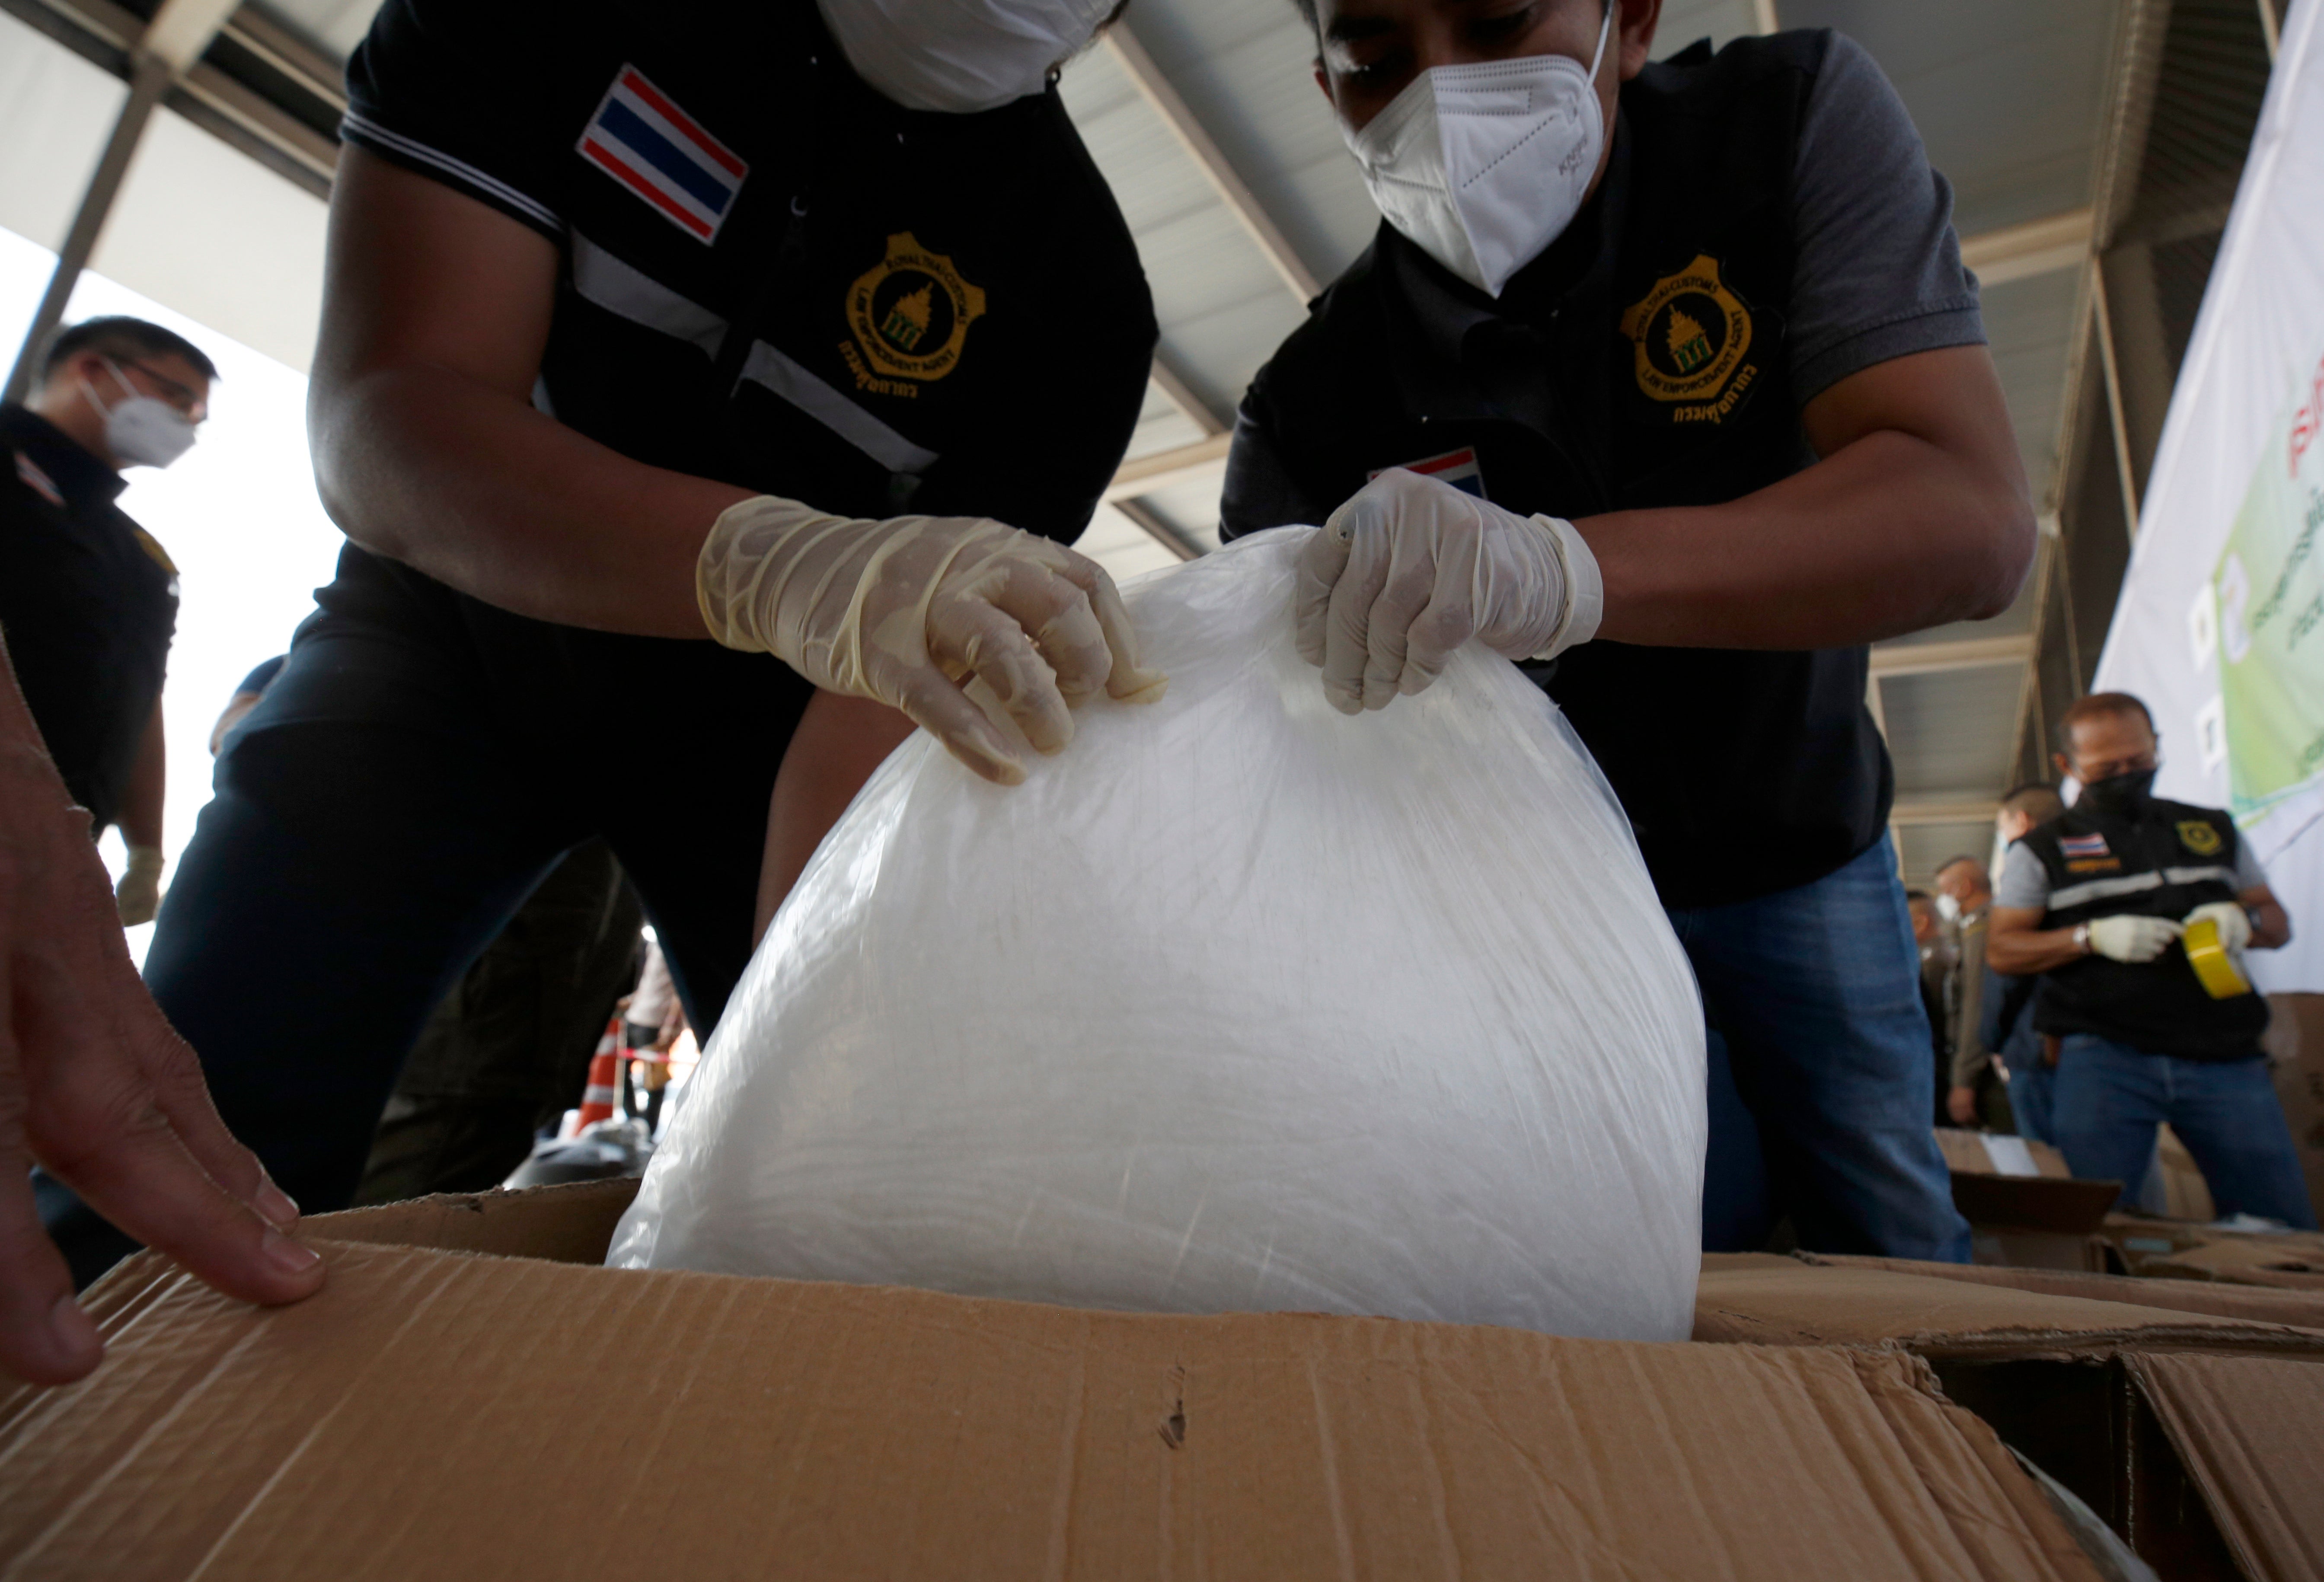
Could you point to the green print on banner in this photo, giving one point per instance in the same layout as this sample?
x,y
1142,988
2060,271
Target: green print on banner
x,y
2269,588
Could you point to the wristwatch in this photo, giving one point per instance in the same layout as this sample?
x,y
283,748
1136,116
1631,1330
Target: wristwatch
x,y
2082,938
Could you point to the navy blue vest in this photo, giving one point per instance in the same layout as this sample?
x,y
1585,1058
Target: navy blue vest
x,y
2162,860
1641,362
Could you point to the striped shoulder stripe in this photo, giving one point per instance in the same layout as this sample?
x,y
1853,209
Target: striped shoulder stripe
x,y
2132,884
369,131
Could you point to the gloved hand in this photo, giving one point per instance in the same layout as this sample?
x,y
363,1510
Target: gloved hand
x,y
138,895
905,611
2235,922
2132,938
1410,568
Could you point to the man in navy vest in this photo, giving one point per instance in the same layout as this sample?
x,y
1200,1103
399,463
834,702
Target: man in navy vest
x,y
1681,358
696,362
2152,1024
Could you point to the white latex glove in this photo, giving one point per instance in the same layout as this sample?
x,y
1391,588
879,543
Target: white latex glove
x,y
138,895
2235,922
2132,938
1409,569
905,611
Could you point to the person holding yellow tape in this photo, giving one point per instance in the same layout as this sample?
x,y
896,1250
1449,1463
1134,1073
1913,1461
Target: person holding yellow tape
x,y
2136,912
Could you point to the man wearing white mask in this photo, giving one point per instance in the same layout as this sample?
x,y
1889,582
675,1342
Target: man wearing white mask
x,y
1671,370
88,598
807,332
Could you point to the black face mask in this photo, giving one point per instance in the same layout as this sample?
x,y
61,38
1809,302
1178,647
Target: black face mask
x,y
2119,793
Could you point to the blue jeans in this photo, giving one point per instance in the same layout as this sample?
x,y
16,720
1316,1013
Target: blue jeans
x,y
2033,1086
2110,1098
1820,1107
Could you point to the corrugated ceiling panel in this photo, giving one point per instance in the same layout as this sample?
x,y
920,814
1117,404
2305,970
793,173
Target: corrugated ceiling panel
x,y
1246,69
1221,306
1923,848
335,26
2007,95
1949,731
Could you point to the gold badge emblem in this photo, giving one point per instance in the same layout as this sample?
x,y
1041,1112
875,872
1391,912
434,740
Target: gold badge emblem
x,y
909,313
2199,838
1690,335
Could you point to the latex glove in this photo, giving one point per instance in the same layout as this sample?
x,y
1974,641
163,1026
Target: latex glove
x,y
1409,569
2235,922
2132,938
905,611
138,895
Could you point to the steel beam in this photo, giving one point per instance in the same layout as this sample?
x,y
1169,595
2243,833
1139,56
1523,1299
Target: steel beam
x,y
2014,253
1975,653
1919,812
1156,90
1174,387
1148,474
1160,531
169,44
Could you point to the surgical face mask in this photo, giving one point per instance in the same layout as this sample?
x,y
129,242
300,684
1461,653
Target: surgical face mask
x,y
1948,908
2119,793
1482,167
960,56
141,430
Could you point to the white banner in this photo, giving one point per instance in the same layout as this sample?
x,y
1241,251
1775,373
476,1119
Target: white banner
x,y
2220,627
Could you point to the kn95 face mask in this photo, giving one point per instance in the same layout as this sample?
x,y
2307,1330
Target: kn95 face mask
x,y
141,430
1482,167
960,56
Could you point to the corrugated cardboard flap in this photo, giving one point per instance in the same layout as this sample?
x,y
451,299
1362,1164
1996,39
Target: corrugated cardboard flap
x,y
2283,1262
1805,1305
2299,1309
443,1416
2250,1431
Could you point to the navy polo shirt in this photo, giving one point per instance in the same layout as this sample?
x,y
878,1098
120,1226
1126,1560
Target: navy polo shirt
x,y
89,602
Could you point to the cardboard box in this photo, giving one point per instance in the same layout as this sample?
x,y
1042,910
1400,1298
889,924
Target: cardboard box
x,y
2295,1040
2186,1195
1999,1154
2198,1436
2229,1302
2023,1208
2040,1221
437,1414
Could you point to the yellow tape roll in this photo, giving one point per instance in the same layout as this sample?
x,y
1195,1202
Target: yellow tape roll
x,y
2215,967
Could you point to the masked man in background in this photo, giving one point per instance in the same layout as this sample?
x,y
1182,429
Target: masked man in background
x,y
88,598
1672,371
646,327
2100,901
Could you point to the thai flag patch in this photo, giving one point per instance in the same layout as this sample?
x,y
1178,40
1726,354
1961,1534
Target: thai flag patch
x,y
1456,467
642,140
2082,845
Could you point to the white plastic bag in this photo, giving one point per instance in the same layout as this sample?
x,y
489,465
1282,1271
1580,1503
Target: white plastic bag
x,y
1237,1003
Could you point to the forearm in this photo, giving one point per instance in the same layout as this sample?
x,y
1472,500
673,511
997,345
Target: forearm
x,y
1889,535
142,799
490,496
2271,926
839,742
2034,950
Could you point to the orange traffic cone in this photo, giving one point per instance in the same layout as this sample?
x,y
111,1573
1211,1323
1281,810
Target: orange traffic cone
x,y
598,1097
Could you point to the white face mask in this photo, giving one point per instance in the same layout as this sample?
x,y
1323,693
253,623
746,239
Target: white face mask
x,y
141,430
1948,908
1484,166
960,56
